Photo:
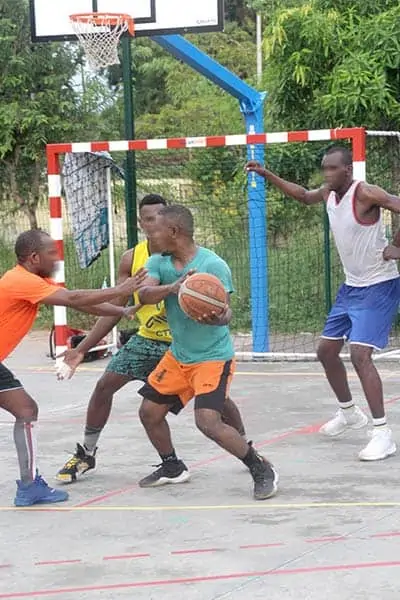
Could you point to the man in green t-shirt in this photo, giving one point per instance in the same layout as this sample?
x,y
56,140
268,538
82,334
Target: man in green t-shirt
x,y
200,362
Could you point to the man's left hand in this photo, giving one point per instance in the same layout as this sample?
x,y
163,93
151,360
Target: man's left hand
x,y
215,319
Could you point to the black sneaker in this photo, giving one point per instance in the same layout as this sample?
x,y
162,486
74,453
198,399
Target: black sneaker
x,y
168,472
250,444
77,465
265,479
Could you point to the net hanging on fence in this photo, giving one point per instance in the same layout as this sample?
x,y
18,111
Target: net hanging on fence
x,y
304,270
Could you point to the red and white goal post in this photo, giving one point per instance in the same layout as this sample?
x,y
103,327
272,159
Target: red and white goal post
x,y
356,136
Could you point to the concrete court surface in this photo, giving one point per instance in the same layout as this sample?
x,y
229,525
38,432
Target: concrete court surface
x,y
332,532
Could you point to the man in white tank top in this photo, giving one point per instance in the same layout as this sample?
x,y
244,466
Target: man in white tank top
x,y
367,302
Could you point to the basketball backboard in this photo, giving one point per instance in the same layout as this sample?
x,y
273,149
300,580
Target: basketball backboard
x,y
50,18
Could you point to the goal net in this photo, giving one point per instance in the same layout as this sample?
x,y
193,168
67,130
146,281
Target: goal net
x,y
285,267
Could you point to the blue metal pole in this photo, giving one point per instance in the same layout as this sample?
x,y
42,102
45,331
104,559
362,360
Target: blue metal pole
x,y
251,104
258,235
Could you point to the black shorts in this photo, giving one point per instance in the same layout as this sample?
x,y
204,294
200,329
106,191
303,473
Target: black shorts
x,y
7,380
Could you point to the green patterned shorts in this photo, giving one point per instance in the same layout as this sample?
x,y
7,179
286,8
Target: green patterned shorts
x,y
138,357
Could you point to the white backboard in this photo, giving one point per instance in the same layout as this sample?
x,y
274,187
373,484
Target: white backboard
x,y
50,18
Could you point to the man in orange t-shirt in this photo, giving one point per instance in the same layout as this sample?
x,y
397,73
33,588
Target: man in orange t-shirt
x,y
22,289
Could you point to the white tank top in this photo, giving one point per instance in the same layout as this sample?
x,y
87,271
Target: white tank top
x,y
360,246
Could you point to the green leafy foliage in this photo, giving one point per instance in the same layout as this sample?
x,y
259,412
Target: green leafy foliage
x,y
334,64
41,101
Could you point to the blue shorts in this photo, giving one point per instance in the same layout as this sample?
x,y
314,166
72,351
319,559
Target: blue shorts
x,y
364,315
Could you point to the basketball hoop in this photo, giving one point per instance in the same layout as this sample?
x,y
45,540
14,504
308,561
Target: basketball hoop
x,y
99,35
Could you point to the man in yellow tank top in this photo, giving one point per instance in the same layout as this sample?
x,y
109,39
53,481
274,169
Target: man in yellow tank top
x,y
152,320
134,361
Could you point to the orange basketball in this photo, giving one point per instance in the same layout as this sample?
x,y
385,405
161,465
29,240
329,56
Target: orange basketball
x,y
202,294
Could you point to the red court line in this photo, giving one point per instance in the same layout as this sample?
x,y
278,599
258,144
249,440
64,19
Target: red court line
x,y
5,566
106,496
308,429
392,400
58,562
209,550
385,535
126,556
200,579
199,551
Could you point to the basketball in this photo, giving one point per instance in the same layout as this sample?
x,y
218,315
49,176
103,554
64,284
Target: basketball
x,y
202,294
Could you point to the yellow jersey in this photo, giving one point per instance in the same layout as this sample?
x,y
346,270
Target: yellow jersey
x,y
152,319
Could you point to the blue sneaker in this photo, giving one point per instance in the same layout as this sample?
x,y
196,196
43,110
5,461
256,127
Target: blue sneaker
x,y
37,492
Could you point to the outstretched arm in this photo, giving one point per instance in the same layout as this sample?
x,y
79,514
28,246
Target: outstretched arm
x,y
295,191
108,312
79,298
74,356
373,195
105,324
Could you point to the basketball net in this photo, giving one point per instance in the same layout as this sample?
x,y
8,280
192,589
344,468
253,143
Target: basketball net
x,y
99,35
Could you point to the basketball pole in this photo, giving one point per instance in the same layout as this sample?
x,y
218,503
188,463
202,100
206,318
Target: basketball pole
x,y
251,103
130,161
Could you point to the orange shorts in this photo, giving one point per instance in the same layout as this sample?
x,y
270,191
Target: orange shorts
x,y
176,384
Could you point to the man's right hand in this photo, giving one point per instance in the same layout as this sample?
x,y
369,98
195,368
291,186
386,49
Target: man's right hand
x,y
255,167
174,288
71,360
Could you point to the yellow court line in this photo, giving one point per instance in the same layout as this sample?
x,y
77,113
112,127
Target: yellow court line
x,y
258,506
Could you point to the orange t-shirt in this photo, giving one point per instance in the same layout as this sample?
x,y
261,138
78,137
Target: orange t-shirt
x,y
20,294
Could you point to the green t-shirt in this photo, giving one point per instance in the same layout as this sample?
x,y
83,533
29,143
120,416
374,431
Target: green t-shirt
x,y
194,342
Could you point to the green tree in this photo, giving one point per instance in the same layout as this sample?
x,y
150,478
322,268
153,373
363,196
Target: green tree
x,y
38,104
333,64
192,104
336,63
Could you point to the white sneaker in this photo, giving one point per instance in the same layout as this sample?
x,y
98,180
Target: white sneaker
x,y
381,445
345,419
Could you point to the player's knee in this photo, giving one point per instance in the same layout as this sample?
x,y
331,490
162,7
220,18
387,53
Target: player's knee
x,y
145,413
328,350
361,357
149,414
105,387
28,412
208,422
